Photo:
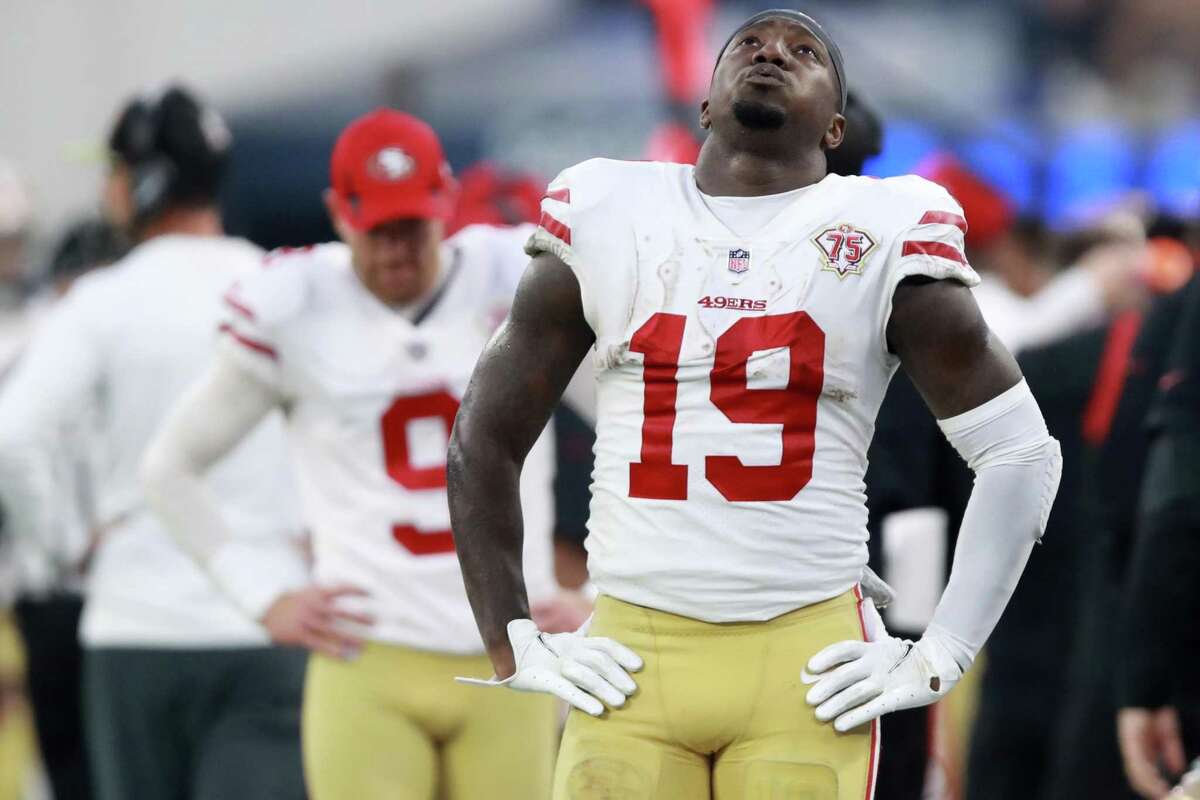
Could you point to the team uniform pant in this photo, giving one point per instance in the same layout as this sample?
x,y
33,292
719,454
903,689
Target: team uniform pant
x,y
394,725
53,675
719,713
211,724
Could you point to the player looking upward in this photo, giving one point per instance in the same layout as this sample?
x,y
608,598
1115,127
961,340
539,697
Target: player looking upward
x,y
744,318
367,345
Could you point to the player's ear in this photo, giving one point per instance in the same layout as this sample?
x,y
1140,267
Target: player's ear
x,y
333,208
705,117
835,134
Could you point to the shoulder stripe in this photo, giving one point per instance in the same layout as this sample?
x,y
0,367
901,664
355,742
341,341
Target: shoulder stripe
x,y
555,228
252,344
238,306
938,249
273,257
944,218
561,195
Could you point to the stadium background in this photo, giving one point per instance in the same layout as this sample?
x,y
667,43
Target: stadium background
x,y
1067,109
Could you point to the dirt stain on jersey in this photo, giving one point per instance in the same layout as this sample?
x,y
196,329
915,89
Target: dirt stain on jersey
x,y
839,394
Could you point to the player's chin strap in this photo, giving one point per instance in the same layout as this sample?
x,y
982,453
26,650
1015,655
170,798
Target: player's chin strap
x,y
1017,466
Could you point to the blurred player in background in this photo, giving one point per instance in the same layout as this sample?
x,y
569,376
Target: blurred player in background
x,y
367,345
1159,640
749,313
14,321
14,267
185,697
51,564
16,740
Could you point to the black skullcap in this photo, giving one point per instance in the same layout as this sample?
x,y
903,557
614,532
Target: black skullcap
x,y
174,126
835,52
862,140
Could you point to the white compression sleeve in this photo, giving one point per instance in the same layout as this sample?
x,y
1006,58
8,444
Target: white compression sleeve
x,y
1017,465
206,424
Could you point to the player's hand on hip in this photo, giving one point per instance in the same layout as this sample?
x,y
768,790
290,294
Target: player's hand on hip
x,y
588,672
1149,737
311,618
854,682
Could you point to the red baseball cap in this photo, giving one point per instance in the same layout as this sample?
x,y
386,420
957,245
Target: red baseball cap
x,y
387,166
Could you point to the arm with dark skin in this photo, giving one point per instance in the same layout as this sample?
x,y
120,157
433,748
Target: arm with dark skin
x,y
945,347
514,390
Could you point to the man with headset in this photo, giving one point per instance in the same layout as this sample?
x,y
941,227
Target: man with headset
x,y
185,697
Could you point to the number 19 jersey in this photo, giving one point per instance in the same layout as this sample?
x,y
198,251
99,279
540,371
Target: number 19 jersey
x,y
370,396
738,376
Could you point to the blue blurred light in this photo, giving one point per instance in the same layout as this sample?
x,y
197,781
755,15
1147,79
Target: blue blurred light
x,y
1006,158
1090,168
905,144
1173,171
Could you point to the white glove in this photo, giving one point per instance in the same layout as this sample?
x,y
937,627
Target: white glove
x,y
855,682
571,666
1189,785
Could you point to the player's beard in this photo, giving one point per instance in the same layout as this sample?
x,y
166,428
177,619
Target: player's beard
x,y
758,116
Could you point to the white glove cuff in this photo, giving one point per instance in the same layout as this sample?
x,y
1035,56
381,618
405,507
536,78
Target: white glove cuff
x,y
946,654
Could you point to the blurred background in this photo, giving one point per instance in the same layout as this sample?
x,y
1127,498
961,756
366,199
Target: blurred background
x,y
1064,104
1060,125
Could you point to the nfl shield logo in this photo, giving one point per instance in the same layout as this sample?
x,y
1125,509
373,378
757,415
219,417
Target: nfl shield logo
x,y
739,260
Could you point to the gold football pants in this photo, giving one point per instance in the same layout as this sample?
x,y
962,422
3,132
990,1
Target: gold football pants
x,y
719,713
393,725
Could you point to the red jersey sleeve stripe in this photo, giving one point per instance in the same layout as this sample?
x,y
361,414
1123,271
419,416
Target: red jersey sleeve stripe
x,y
240,308
246,341
939,249
561,195
555,228
944,218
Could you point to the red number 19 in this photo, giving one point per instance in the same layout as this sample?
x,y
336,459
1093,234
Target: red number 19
x,y
794,407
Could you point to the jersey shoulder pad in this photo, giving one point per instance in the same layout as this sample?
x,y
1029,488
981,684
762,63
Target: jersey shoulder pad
x,y
598,180
594,195
914,198
589,217
492,255
486,238
930,230
280,290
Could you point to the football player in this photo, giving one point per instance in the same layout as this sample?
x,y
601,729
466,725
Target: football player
x,y
367,345
184,695
744,318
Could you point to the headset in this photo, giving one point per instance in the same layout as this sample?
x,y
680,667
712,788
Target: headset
x,y
174,147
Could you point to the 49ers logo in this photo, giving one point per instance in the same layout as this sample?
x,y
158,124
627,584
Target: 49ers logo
x,y
844,249
733,303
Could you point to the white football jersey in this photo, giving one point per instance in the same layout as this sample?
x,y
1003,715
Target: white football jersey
x,y
738,377
120,349
51,559
370,395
